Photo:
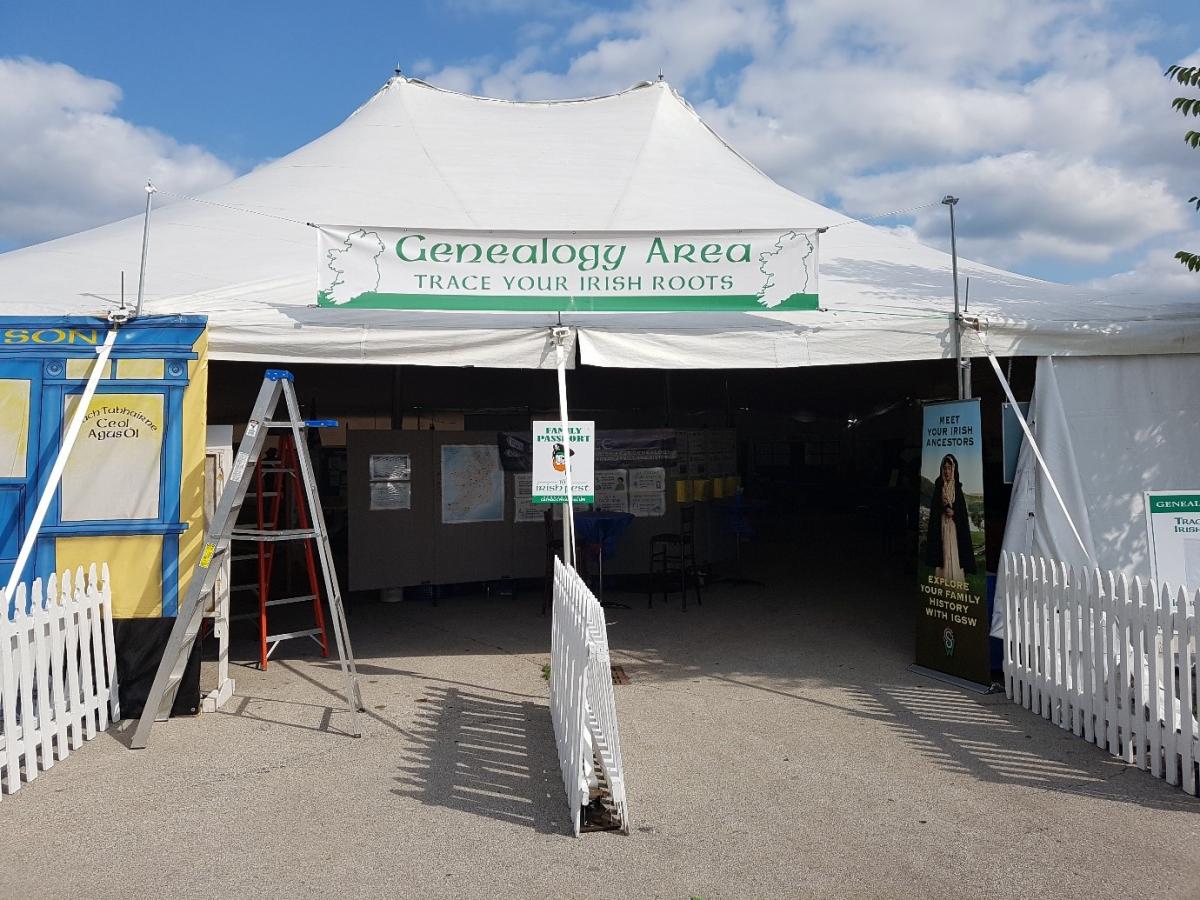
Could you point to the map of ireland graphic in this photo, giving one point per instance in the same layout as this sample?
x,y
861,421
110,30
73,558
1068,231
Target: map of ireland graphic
x,y
344,278
785,268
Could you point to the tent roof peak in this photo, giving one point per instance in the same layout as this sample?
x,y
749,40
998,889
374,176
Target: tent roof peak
x,y
400,80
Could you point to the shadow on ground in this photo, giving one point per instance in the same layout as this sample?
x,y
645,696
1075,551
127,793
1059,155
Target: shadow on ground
x,y
819,634
483,755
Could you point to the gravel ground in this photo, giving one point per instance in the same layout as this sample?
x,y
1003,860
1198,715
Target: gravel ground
x,y
775,746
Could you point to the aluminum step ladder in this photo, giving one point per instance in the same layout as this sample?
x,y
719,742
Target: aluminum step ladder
x,y
277,383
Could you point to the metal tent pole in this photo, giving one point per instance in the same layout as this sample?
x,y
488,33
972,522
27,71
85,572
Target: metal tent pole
x,y
560,334
959,367
150,191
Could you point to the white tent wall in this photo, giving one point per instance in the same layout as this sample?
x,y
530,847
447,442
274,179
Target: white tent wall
x,y
1109,428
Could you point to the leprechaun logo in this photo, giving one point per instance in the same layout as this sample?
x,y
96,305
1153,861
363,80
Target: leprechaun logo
x,y
558,458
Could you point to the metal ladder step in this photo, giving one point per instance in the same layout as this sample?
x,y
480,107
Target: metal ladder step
x,y
272,535
301,423
278,601
286,635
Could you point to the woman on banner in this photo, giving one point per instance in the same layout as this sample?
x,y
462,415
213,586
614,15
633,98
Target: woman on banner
x,y
948,541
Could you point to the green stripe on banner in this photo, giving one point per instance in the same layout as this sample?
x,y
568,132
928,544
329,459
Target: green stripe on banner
x,y
1175,503
617,303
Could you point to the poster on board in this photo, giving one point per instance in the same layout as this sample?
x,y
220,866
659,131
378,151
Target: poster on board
x,y
1173,536
523,508
472,484
550,449
952,619
612,490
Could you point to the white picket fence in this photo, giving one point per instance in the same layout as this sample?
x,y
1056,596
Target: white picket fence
x,y
582,704
58,671
1111,660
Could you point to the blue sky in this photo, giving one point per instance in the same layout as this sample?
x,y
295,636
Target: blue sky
x,y
1046,117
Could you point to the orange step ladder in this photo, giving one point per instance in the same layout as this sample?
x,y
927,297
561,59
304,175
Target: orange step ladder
x,y
279,495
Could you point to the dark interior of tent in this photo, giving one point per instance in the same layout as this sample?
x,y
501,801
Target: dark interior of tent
x,y
805,468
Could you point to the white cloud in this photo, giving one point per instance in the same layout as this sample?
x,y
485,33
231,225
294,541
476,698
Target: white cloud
x,y
68,162
1025,205
618,48
1158,276
1049,117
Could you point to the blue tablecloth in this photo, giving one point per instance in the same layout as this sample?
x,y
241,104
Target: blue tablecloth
x,y
736,514
601,529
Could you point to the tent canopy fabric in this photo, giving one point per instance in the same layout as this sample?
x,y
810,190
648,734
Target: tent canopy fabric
x,y
640,160
1109,429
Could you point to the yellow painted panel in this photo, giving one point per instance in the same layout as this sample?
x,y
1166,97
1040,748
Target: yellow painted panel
x,y
191,487
14,427
134,564
82,368
140,368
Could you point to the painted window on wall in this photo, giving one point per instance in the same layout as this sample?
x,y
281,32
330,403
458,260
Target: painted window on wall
x,y
14,427
114,472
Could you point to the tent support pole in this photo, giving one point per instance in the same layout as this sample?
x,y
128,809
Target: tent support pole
x,y
961,377
561,334
150,192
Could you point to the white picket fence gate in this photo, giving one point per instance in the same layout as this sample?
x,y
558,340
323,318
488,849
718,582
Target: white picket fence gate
x,y
1111,660
58,671
582,704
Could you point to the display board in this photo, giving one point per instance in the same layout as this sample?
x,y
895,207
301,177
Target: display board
x,y
408,542
952,621
1173,537
132,491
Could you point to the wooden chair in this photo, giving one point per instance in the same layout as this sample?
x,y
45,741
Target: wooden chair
x,y
674,553
554,547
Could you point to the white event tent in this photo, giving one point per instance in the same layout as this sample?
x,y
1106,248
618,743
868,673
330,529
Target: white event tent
x,y
640,160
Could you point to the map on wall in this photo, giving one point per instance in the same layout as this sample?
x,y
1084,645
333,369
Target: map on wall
x,y
472,484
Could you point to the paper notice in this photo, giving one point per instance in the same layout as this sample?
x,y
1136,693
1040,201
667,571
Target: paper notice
x,y
647,480
648,505
612,501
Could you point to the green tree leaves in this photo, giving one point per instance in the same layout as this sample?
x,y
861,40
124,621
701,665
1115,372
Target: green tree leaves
x,y
1188,76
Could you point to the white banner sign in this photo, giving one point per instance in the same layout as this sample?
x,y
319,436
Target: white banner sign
x,y
394,268
550,449
1173,530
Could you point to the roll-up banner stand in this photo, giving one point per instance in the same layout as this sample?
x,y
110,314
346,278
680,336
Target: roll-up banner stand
x,y
952,620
